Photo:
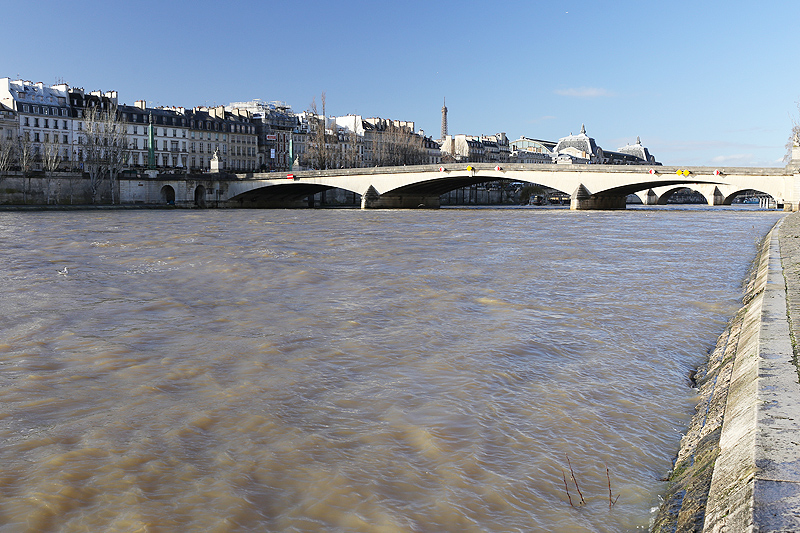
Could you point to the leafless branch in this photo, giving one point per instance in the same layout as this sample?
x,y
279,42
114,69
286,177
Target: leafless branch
x,y
583,502
566,487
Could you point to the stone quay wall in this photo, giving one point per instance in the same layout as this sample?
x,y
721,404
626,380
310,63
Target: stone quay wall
x,y
61,188
738,468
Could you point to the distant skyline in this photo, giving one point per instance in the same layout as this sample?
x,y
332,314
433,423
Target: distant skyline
x,y
701,83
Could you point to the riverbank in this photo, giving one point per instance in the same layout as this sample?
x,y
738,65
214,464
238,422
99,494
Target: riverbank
x,y
82,207
738,468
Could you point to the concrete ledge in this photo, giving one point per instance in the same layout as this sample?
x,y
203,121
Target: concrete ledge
x,y
738,468
756,480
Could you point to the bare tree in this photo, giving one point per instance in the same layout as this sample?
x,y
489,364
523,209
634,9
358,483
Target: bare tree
x,y
116,147
322,135
350,153
321,152
794,139
315,152
25,157
25,152
395,145
51,159
105,148
8,154
93,154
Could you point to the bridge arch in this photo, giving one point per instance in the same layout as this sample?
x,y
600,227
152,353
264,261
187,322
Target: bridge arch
x,y
408,190
732,195
200,196
440,186
664,197
168,195
280,195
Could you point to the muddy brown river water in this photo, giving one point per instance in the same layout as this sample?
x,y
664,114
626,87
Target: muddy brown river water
x,y
346,370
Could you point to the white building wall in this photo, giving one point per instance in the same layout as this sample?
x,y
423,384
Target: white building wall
x,y
43,113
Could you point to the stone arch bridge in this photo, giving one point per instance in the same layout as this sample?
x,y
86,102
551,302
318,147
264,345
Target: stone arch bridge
x,y
589,186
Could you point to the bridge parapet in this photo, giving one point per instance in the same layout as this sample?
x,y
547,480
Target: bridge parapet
x,y
506,167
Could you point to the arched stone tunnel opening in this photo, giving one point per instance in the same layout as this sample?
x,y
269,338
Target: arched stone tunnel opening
x,y
296,196
752,197
682,195
480,190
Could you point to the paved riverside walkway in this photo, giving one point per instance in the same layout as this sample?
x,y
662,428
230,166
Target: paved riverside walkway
x,y
738,468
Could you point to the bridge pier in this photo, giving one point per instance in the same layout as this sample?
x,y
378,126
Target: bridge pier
x,y
583,200
651,198
711,193
373,200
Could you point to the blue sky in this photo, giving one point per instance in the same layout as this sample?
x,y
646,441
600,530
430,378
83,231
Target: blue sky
x,y
702,83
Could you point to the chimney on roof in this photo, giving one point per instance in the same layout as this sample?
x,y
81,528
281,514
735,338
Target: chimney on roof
x,y
217,112
141,104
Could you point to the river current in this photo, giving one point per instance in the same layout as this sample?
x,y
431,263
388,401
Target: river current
x,y
359,371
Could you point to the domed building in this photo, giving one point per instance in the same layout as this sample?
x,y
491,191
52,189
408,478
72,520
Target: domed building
x,y
578,149
639,151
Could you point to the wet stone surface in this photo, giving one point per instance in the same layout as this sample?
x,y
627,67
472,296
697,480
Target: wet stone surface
x,y
684,505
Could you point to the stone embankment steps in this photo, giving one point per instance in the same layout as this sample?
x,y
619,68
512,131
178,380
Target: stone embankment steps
x,y
738,468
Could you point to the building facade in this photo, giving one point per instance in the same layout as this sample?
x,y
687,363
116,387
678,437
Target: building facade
x,y
170,134
529,157
9,125
43,116
279,133
432,152
462,148
229,134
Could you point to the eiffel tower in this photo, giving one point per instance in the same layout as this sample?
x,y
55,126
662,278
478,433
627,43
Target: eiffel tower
x,y
444,120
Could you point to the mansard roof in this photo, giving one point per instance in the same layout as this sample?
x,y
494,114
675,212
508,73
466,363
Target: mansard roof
x,y
523,143
581,142
162,116
637,150
38,93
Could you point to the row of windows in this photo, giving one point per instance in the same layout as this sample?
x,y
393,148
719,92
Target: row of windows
x,y
140,159
38,137
45,110
45,122
133,129
164,132
143,119
194,124
158,119
237,150
62,154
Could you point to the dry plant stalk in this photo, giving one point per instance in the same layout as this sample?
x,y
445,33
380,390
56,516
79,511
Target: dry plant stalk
x,y
566,488
611,502
583,502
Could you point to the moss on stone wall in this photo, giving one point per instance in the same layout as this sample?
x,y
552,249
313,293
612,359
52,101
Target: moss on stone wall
x,y
683,507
